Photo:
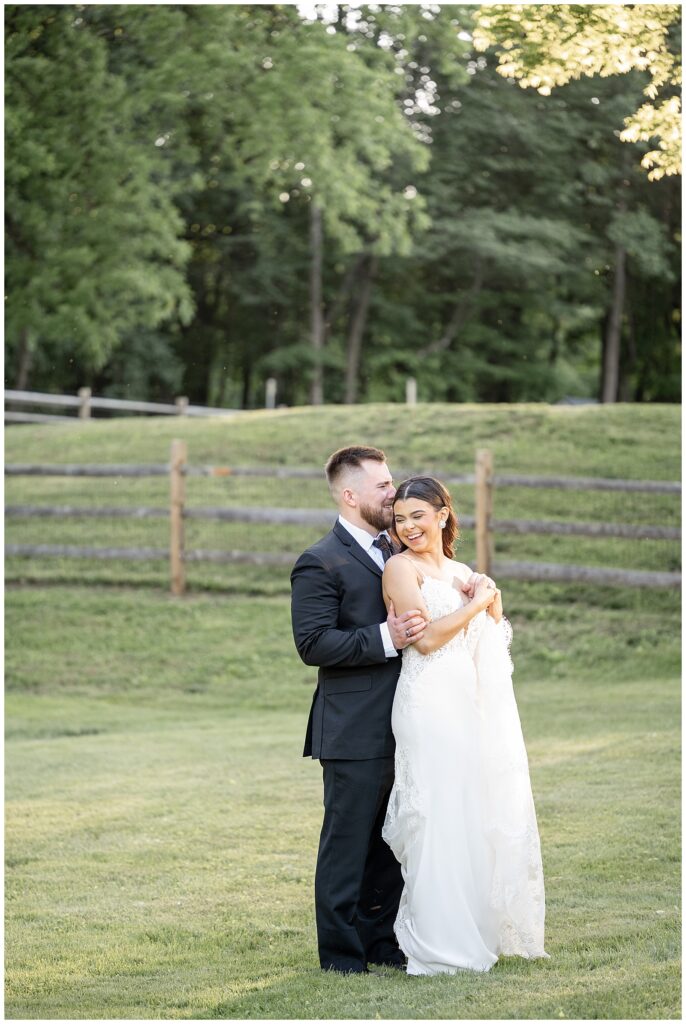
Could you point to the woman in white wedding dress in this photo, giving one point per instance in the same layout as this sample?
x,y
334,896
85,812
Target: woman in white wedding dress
x,y
461,818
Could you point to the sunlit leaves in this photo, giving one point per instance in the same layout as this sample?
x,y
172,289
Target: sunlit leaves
x,y
661,122
547,45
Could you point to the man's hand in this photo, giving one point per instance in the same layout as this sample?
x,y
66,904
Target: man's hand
x,y
405,629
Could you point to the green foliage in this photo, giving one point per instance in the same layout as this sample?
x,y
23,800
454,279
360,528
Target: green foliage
x,y
93,234
162,163
645,241
547,45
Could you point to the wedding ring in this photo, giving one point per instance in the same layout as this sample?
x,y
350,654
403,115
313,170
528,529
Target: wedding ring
x,y
408,632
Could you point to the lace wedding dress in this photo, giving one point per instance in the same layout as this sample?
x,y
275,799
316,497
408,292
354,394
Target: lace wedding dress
x,y
461,818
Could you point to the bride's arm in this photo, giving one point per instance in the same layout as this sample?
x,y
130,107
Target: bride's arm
x,y
401,587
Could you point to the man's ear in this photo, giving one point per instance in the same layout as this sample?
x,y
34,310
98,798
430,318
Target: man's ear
x,y
349,498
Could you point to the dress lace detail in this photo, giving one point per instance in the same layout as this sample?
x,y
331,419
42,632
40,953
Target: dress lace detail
x,y
444,598
461,819
506,628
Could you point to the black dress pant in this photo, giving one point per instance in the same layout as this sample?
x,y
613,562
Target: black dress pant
x,y
358,881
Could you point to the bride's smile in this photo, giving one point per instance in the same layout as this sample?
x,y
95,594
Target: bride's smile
x,y
418,526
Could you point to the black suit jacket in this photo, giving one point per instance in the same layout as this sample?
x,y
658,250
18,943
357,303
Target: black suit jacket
x,y
336,609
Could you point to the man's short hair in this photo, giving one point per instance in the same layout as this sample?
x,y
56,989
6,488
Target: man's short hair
x,y
350,458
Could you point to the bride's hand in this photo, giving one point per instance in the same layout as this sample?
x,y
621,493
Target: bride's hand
x,y
495,608
469,587
484,592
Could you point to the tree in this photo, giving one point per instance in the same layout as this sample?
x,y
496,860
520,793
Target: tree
x,y
93,247
363,178
349,161
547,45
511,292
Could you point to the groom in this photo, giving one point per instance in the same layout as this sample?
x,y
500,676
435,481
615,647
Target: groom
x,y
340,624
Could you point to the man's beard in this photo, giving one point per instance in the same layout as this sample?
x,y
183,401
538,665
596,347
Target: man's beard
x,y
379,518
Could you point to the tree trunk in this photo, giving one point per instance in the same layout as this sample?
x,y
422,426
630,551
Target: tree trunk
x,y
614,329
25,359
357,326
628,362
317,317
335,308
460,315
246,384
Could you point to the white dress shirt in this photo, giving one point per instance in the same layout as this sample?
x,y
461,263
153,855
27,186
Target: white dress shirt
x,y
366,542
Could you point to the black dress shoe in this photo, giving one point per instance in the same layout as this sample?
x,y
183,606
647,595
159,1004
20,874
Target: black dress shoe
x,y
345,970
399,963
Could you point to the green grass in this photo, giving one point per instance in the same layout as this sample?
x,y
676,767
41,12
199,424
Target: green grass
x,y
618,440
161,826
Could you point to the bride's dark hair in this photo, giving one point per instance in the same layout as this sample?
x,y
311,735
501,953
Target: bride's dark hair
x,y
427,488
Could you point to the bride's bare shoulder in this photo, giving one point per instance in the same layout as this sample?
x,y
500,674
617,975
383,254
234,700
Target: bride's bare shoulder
x,y
401,571
401,579
399,565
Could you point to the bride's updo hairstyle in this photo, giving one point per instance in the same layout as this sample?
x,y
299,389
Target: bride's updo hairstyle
x,y
427,488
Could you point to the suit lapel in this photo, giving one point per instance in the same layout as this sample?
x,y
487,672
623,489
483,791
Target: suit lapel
x,y
356,550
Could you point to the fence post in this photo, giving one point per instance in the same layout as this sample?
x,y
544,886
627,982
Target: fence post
x,y
181,404
270,393
177,494
484,510
85,406
411,391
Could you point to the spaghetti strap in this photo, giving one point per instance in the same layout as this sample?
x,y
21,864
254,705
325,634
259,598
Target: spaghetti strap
x,y
412,562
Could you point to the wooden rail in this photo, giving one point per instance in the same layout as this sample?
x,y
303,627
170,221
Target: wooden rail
x,y
231,514
29,469
589,483
162,469
570,483
85,401
37,417
84,551
538,571
484,524
533,571
323,517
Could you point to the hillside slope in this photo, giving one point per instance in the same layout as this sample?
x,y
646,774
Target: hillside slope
x,y
641,441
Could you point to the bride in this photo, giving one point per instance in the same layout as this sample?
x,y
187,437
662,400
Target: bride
x,y
461,818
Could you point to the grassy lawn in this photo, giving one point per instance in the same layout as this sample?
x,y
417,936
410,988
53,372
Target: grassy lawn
x,y
161,826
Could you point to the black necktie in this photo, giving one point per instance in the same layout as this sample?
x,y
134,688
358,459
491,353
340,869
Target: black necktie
x,y
382,542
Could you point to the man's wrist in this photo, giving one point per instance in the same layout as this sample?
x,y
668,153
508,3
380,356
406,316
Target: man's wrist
x,y
388,645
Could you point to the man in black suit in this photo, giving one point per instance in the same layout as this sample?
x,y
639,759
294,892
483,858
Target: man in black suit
x,y
340,624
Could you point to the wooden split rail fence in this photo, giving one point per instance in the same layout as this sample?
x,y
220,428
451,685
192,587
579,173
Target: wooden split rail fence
x,y
484,524
85,402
